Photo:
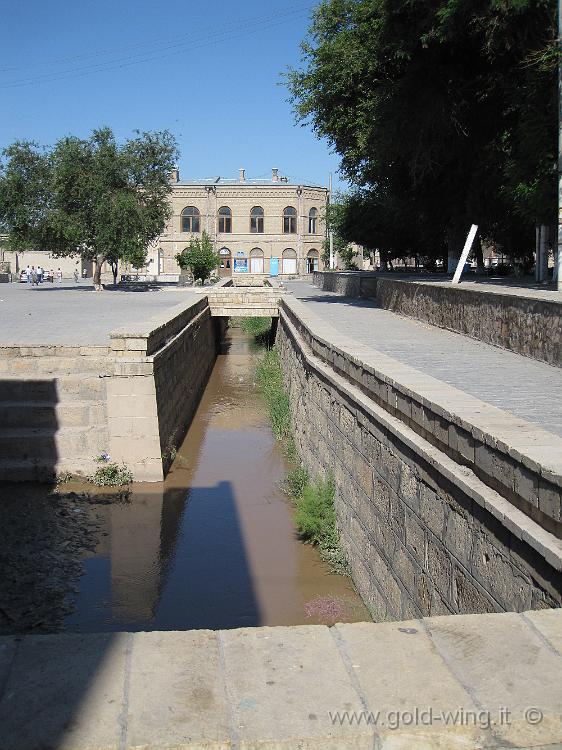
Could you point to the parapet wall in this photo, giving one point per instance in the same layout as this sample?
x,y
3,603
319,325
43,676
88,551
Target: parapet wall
x,y
160,373
424,534
527,325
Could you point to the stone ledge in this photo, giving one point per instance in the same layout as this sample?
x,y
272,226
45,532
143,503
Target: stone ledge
x,y
457,682
430,407
518,523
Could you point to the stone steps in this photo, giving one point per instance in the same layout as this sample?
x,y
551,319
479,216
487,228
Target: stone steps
x,y
84,387
48,365
41,414
40,470
47,444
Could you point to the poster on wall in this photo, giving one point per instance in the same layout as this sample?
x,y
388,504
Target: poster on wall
x,y
240,265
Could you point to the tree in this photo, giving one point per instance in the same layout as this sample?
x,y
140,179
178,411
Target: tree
x,y
443,112
102,200
199,256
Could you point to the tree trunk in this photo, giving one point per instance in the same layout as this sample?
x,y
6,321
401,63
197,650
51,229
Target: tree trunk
x,y
114,267
455,243
99,259
479,254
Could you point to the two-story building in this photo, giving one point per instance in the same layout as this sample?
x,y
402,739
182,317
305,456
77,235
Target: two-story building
x,y
270,227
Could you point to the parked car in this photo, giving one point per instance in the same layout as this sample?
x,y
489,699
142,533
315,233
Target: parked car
x,y
23,275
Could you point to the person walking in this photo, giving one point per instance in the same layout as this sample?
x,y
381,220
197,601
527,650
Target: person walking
x,y
28,274
59,276
76,276
39,274
34,281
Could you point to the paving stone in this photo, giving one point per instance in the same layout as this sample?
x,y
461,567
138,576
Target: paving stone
x,y
65,692
283,683
527,389
505,666
181,669
408,686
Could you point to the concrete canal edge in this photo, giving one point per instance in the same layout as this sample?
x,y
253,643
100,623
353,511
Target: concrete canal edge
x,y
445,682
429,526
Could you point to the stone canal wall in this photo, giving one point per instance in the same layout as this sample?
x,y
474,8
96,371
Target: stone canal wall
x,y
424,534
161,370
526,324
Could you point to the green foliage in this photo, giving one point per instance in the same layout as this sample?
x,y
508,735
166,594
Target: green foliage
x,y
93,197
199,256
444,113
270,380
257,327
112,475
314,501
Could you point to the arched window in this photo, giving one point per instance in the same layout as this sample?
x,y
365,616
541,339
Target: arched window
x,y
290,220
312,261
312,220
256,220
289,261
190,219
256,260
225,219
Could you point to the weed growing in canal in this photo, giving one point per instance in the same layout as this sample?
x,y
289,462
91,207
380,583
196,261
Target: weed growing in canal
x,y
112,475
315,517
259,328
270,380
315,520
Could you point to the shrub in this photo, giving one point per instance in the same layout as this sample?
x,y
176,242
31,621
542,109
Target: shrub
x,y
270,380
199,256
112,475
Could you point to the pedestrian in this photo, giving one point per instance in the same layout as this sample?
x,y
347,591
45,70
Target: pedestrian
x,y
34,281
40,274
51,276
28,274
76,275
59,276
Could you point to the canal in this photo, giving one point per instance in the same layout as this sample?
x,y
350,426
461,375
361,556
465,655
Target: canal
x,y
213,546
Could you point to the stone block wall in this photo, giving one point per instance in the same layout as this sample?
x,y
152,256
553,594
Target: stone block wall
x,y
160,373
423,535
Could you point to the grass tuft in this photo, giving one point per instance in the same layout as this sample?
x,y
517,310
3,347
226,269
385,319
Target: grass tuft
x,y
112,475
259,328
315,516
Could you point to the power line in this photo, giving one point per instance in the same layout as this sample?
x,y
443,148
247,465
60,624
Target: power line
x,y
248,25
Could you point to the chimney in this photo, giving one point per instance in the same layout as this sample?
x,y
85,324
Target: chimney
x,y
175,175
242,175
275,175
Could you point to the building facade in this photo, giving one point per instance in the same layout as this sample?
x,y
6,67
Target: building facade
x,y
261,227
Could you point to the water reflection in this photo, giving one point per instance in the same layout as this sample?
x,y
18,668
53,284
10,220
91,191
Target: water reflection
x,y
214,545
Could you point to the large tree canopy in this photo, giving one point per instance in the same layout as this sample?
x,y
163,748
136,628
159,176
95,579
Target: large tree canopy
x,y
443,112
94,197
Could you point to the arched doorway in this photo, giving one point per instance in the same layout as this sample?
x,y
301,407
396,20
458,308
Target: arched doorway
x,y
312,261
256,260
225,263
289,261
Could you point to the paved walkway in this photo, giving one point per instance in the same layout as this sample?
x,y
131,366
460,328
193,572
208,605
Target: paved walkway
x,y
455,682
528,389
75,314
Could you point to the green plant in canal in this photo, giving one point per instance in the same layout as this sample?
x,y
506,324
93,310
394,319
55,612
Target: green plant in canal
x,y
259,328
315,516
270,381
111,475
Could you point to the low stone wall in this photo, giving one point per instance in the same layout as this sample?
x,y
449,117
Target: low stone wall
x,y
346,283
423,534
527,325
160,374
239,301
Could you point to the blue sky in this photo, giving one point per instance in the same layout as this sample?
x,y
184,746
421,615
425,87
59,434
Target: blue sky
x,y
208,71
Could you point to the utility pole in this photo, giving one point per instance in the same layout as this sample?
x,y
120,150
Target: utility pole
x,y
330,232
558,267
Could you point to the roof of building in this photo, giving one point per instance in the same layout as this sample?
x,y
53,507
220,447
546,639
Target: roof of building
x,y
220,181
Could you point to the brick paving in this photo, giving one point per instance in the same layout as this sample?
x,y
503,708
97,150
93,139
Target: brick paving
x,y
72,313
528,389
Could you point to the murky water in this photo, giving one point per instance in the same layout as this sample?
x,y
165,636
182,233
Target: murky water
x,y
213,546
